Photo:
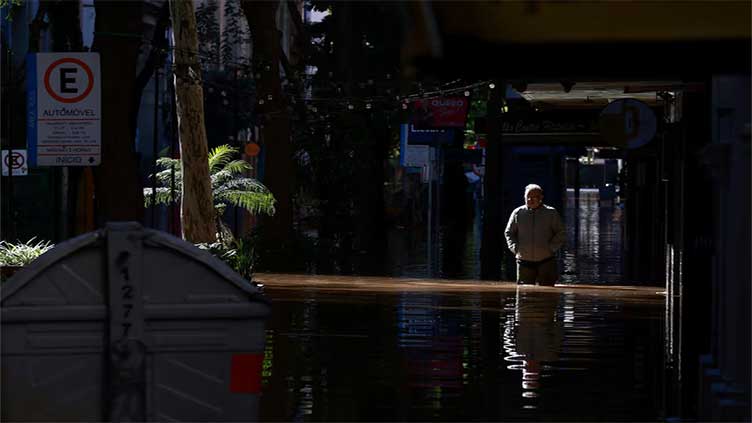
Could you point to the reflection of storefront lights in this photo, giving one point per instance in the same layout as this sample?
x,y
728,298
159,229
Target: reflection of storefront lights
x,y
504,109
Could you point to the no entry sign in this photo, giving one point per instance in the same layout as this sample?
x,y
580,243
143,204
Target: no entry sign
x,y
63,109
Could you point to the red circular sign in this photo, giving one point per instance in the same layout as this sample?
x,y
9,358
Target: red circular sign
x,y
252,149
55,95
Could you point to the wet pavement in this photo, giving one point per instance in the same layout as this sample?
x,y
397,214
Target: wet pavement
x,y
390,349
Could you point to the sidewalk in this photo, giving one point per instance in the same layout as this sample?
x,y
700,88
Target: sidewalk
x,y
281,281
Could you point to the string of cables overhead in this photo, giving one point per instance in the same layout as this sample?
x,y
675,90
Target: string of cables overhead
x,y
451,88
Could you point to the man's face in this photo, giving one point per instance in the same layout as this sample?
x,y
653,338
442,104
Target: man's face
x,y
534,198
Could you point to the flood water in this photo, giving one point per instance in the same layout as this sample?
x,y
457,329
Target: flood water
x,y
592,253
484,352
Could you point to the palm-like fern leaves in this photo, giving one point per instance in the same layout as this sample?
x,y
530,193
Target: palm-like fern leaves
x,y
229,186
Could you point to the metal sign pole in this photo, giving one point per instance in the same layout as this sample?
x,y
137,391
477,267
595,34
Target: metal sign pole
x,y
11,228
429,242
439,160
155,150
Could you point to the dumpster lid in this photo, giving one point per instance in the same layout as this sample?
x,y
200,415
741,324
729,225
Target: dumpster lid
x,y
97,240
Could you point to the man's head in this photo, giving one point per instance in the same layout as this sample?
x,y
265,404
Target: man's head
x,y
533,196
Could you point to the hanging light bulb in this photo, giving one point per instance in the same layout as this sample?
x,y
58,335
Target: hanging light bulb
x,y
467,93
492,85
350,107
261,101
269,97
368,106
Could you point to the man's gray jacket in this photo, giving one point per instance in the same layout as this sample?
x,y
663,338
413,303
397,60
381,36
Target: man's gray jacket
x,y
534,234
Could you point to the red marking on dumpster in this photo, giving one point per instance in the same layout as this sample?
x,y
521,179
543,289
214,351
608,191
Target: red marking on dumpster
x,y
245,373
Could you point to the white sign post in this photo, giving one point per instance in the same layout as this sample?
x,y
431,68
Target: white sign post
x,y
16,161
64,114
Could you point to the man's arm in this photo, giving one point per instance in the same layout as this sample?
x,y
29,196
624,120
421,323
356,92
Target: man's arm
x,y
511,233
560,233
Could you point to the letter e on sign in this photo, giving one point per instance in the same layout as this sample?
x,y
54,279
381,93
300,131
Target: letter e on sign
x,y
68,80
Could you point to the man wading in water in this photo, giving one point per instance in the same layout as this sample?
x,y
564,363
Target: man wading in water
x,y
534,234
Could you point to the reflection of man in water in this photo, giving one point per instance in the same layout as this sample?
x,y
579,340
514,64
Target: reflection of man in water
x,y
538,335
534,233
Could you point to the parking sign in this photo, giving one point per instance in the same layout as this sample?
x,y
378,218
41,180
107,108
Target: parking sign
x,y
64,109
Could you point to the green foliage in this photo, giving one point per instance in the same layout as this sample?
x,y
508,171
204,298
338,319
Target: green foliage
x,y
235,34
477,110
239,254
6,3
10,4
223,45
22,253
207,29
229,185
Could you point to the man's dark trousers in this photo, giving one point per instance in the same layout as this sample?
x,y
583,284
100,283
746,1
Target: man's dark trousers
x,y
542,272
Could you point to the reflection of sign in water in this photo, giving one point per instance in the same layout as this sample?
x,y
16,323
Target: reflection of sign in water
x,y
447,112
628,122
63,109
16,161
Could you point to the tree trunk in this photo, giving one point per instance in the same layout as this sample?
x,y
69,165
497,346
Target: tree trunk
x,y
197,209
118,190
275,122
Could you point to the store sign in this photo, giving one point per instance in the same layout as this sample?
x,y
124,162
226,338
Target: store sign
x,y
412,155
63,109
439,112
628,122
433,137
556,122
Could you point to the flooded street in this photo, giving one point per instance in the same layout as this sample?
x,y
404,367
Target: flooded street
x,y
592,253
384,349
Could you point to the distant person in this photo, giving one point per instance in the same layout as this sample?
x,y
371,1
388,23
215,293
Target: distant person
x,y
534,234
